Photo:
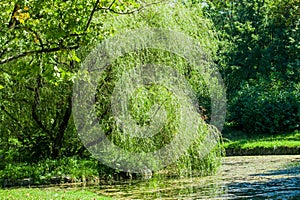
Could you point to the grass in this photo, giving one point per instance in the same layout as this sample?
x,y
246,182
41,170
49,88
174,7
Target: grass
x,y
49,193
238,139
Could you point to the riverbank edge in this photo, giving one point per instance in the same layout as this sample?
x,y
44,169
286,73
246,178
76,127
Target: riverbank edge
x,y
257,151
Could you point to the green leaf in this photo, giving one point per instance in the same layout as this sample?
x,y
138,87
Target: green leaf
x,y
74,56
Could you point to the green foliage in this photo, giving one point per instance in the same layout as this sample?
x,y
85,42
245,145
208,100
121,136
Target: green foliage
x,y
200,160
41,47
259,61
69,169
267,108
147,99
260,39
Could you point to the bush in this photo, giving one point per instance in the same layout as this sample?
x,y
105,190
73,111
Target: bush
x,y
262,107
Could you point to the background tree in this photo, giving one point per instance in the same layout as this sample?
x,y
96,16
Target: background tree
x,y
40,45
261,51
262,39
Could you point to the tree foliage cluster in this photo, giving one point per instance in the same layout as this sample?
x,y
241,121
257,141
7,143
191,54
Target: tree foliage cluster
x,y
259,61
42,45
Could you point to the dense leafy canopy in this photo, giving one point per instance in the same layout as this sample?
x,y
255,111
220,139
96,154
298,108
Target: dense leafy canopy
x,y
42,44
259,60
263,39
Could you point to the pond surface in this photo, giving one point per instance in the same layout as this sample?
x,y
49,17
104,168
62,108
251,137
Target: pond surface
x,y
247,177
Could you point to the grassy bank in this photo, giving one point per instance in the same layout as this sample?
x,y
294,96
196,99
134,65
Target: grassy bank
x,y
49,193
239,143
45,172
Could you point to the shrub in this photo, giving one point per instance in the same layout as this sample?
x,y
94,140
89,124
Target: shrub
x,y
262,107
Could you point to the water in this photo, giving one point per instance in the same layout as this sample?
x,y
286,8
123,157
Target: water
x,y
262,177
247,177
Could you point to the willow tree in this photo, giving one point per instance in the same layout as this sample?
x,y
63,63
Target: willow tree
x,y
141,103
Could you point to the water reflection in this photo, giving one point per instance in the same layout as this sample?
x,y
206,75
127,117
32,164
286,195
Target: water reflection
x,y
262,177
282,188
253,177
163,188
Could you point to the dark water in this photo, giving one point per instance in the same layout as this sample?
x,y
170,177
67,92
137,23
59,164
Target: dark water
x,y
259,177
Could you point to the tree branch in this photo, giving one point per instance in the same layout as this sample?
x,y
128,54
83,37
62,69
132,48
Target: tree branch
x,y
35,104
112,3
34,33
92,15
21,55
129,12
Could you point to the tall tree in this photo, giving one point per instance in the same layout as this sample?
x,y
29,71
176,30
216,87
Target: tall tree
x,y
262,39
41,44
